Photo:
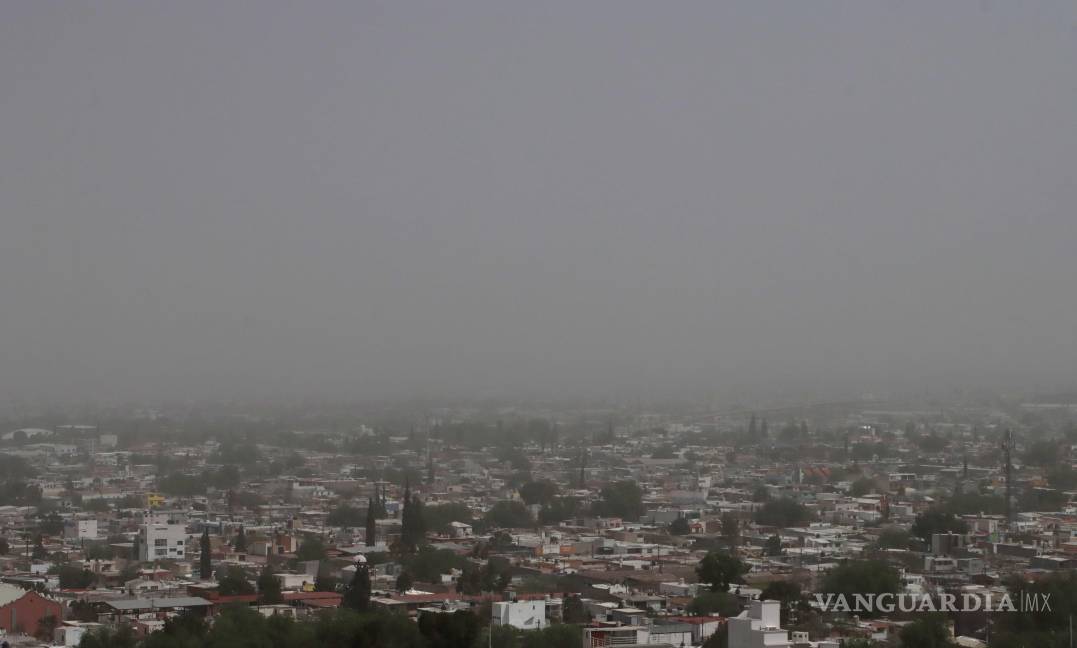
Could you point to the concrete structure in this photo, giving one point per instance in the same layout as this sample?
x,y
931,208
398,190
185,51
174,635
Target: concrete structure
x,y
525,615
81,529
162,541
759,626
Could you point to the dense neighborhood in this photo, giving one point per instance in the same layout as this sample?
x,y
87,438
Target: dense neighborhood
x,y
515,526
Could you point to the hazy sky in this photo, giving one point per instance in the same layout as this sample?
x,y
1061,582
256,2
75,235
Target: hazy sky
x,y
360,199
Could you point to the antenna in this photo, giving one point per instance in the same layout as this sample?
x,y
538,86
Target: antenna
x,y
1007,458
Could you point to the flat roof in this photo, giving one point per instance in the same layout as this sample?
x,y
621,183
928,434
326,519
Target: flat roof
x,y
157,603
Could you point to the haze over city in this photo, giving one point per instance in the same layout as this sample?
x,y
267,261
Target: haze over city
x,y
392,200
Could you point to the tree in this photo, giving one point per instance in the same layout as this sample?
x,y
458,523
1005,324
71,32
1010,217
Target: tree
x,y
120,637
862,577
731,529
574,611
357,596
412,525
428,564
622,499
404,581
773,546
51,524
538,492
241,540
345,516
558,635
720,638
311,549
72,577
508,515
862,487
39,552
927,632
233,581
892,537
720,569
935,521
461,628
440,517
371,523
205,559
1062,477
782,512
269,587
680,527
786,592
720,603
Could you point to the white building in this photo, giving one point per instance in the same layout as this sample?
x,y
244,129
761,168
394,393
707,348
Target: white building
x,y
759,626
525,615
162,541
81,529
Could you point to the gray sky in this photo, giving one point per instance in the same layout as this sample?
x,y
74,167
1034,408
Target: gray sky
x,y
362,199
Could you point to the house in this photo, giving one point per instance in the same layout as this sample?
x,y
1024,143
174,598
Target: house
x,y
525,615
23,611
460,530
758,626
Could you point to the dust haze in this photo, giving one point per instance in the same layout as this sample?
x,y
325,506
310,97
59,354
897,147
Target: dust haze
x,y
389,200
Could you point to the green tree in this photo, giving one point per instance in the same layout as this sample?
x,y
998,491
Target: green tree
x,y
269,587
719,569
508,515
862,577
345,516
773,546
120,637
720,603
357,596
679,527
311,548
893,537
622,499
574,611
538,492
782,512
371,523
205,558
233,581
927,632
558,635
461,628
412,523
786,592
862,487
934,521
731,529
72,577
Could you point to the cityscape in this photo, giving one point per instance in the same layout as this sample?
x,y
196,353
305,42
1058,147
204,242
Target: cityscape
x,y
542,324
518,525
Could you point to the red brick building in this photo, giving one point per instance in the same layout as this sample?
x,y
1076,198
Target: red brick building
x,y
23,611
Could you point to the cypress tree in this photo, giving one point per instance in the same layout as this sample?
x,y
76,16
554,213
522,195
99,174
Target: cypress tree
x,y
371,522
205,565
358,595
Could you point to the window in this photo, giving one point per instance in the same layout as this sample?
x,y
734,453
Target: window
x,y
160,542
